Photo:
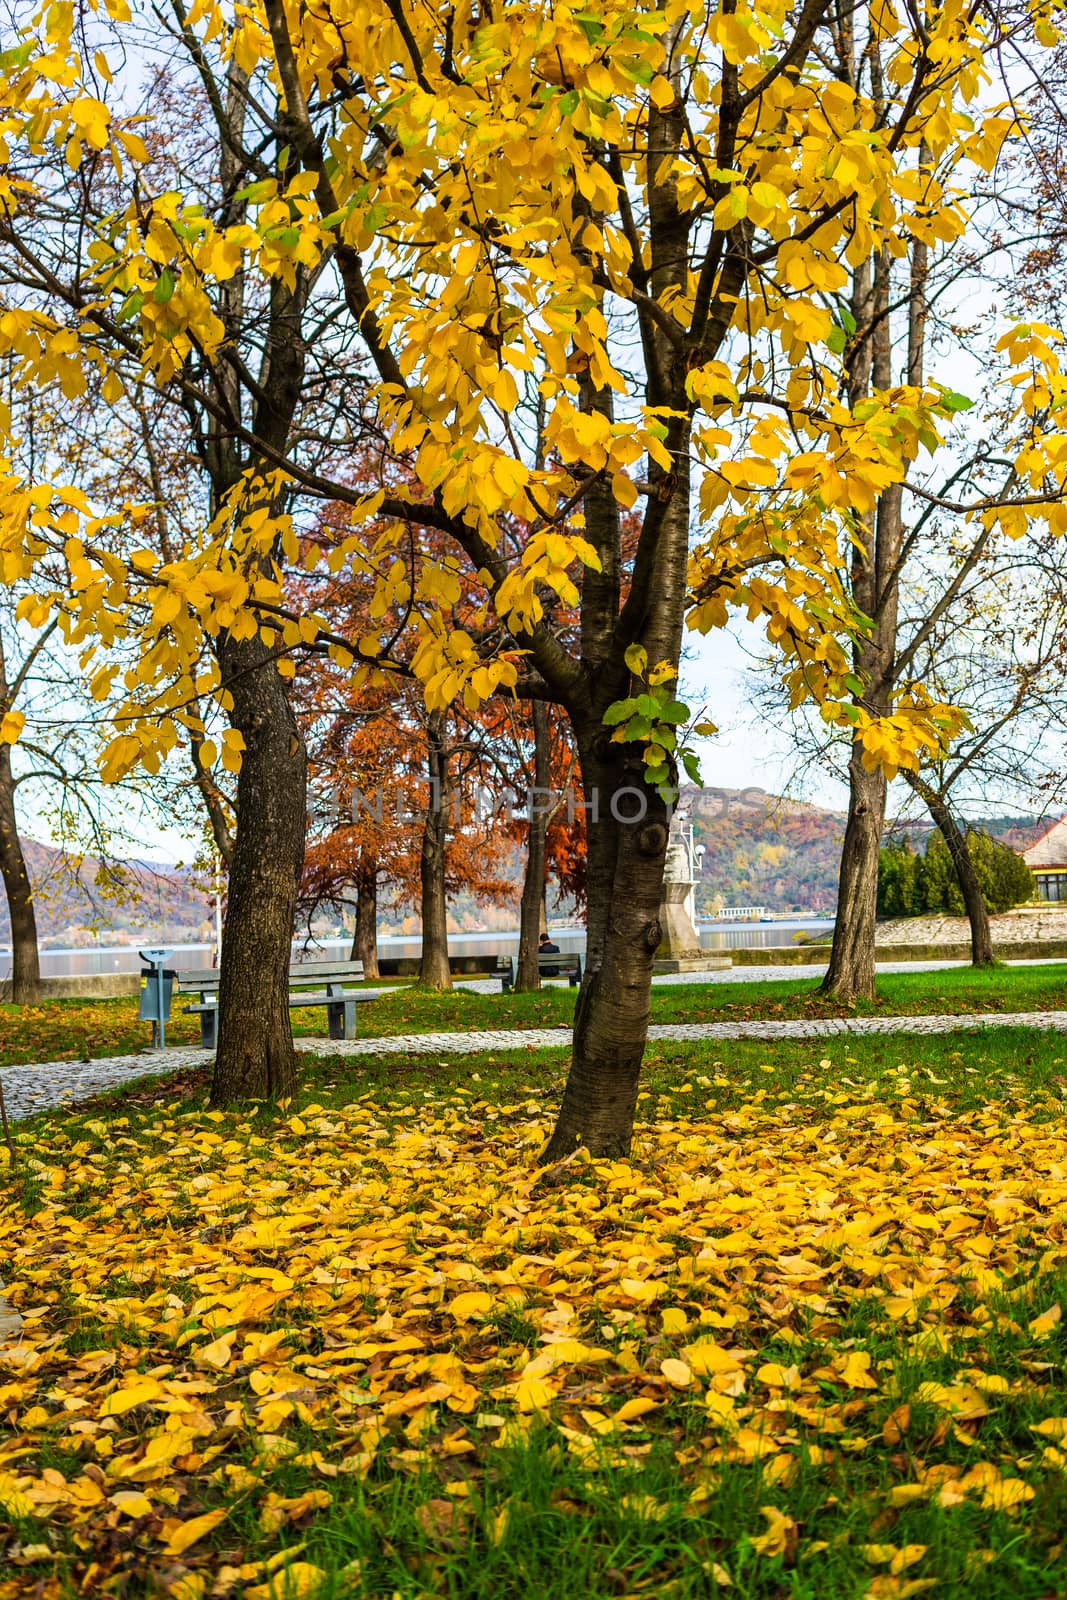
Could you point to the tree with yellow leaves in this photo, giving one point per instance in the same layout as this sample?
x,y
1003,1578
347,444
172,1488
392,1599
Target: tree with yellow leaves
x,y
589,261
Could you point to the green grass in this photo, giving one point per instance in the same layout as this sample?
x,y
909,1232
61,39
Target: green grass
x,y
1027,1066
553,1517
84,1029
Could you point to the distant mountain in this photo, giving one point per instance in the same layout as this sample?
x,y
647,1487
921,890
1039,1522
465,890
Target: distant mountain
x,y
79,898
762,849
759,849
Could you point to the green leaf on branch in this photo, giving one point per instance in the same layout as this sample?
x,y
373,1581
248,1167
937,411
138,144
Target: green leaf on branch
x,y
621,711
951,401
674,711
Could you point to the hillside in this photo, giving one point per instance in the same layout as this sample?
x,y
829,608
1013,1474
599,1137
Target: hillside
x,y
78,899
761,849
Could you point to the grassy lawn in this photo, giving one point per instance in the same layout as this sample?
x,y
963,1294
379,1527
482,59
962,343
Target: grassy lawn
x,y
807,1343
80,1029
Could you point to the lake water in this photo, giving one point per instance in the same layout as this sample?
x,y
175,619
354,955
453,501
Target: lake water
x,y
125,958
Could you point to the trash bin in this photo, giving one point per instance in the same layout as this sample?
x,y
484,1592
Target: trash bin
x,y
156,992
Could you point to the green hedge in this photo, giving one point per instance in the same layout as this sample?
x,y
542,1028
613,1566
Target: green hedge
x,y
910,884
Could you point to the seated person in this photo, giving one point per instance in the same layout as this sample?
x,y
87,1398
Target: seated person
x,y
545,947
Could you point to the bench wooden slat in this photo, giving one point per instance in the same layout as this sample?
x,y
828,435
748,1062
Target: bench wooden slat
x,y
340,1002
551,964
304,973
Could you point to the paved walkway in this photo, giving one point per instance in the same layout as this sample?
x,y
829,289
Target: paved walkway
x,y
44,1085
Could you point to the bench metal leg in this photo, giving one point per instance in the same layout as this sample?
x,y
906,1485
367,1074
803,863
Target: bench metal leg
x,y
341,1016
209,1029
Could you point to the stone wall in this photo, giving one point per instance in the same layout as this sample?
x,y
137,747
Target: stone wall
x,y
90,986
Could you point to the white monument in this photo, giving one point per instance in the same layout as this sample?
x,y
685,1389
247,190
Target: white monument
x,y
679,949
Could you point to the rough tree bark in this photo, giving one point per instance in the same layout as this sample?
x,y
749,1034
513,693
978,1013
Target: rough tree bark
x,y
850,975
365,939
531,908
625,884
25,983
875,588
255,1052
434,970
982,954
626,858
255,1057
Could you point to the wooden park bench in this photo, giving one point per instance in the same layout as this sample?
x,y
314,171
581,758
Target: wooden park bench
x,y
326,979
553,964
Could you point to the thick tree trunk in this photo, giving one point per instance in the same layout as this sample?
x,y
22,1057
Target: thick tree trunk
x,y
365,942
434,970
255,1058
626,857
977,912
625,886
531,908
25,960
850,975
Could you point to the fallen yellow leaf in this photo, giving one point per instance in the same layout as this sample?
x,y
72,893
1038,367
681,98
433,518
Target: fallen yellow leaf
x,y
185,1536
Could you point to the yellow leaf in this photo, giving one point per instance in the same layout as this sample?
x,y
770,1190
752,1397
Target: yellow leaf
x,y
677,1374
533,1394
187,1534
674,1320
297,1581
1043,1325
138,1394
624,489
780,1535
644,1506
215,1355
632,1409
12,1499
131,1502
11,726
775,1376
707,1358
563,1353
473,1303
855,1371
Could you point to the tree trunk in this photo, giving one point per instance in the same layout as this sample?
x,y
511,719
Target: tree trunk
x,y
977,912
25,960
627,841
531,909
434,970
365,942
255,1058
875,588
625,887
850,975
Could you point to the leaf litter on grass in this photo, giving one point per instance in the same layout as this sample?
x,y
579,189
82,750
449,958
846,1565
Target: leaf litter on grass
x,y
234,1330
